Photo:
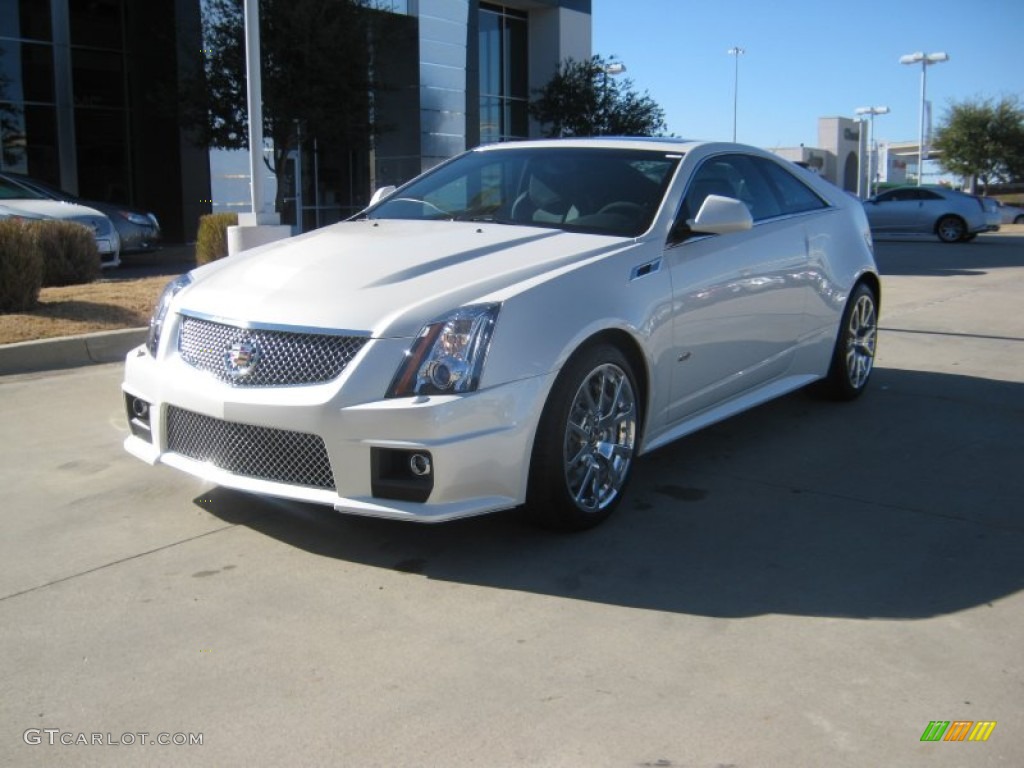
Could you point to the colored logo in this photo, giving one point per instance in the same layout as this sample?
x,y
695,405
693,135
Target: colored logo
x,y
241,358
958,730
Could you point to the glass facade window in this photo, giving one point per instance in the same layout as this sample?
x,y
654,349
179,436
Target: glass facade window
x,y
28,127
29,117
504,73
101,99
98,78
96,23
39,152
26,19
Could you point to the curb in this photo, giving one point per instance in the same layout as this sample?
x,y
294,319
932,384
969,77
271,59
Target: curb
x,y
69,351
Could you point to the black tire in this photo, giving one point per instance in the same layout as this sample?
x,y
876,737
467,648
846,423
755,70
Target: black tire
x,y
951,229
1019,220
586,442
853,358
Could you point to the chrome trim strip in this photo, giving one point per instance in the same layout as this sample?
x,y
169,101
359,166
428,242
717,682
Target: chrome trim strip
x,y
255,325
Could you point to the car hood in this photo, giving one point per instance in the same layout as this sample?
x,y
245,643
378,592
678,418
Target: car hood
x,y
49,209
385,277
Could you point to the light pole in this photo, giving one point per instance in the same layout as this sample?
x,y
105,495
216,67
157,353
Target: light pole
x,y
737,52
613,69
872,150
925,60
258,226
254,99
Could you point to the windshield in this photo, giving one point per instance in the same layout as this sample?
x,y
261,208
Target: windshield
x,y
604,191
11,191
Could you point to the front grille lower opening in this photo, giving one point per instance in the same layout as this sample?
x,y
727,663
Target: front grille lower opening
x,y
264,453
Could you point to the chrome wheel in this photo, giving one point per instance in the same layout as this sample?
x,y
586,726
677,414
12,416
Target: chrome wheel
x,y
586,440
861,340
600,438
853,357
950,229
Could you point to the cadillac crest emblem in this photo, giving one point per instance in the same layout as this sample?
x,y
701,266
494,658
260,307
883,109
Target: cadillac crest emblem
x,y
240,358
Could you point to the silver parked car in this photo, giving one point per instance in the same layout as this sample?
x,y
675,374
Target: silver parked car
x,y
1008,214
927,211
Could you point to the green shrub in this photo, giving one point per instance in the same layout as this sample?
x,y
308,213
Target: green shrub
x,y
68,250
21,267
212,239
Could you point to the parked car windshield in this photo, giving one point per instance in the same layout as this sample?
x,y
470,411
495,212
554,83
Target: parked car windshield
x,y
11,191
603,191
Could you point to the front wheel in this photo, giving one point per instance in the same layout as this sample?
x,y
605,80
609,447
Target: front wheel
x,y
853,358
586,441
951,229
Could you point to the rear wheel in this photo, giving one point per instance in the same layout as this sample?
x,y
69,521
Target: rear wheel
x,y
854,356
951,229
586,442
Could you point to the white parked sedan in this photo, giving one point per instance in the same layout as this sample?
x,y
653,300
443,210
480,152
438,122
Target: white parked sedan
x,y
516,326
18,202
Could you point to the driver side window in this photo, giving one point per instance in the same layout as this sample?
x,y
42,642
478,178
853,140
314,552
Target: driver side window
x,y
735,176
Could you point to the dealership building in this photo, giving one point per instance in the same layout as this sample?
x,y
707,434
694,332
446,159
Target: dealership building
x,y
89,99
88,95
843,142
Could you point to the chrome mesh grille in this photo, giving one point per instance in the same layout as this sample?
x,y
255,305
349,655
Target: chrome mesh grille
x,y
278,455
285,357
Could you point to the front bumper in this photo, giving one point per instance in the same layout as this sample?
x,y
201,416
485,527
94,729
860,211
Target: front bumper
x,y
478,445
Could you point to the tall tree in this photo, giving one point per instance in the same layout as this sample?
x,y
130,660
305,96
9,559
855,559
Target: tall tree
x,y
583,99
984,140
316,72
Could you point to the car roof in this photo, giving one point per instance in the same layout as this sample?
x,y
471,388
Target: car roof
x,y
603,142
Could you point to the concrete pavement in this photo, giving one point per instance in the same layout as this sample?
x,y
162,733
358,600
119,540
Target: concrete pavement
x,y
806,584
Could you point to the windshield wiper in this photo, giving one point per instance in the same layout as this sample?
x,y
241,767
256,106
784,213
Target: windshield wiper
x,y
475,216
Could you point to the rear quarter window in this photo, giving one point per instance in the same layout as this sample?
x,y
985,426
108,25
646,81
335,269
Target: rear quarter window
x,y
794,196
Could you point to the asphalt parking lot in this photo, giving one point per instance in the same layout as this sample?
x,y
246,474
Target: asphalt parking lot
x,y
808,584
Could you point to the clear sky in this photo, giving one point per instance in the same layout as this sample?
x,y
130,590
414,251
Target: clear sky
x,y
806,60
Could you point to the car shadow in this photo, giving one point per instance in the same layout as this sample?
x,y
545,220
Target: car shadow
x,y
935,259
902,505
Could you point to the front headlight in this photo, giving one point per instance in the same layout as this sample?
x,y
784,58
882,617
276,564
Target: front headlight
x,y
448,355
136,218
156,323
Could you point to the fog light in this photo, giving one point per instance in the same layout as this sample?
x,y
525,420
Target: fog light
x,y
419,464
138,412
140,408
401,474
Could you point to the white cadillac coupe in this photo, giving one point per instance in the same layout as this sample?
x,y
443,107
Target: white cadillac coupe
x,y
514,327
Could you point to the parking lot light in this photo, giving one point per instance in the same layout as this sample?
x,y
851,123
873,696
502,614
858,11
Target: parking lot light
x,y
925,60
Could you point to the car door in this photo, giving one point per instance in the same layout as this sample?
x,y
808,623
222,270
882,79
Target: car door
x,y
738,305
931,207
896,212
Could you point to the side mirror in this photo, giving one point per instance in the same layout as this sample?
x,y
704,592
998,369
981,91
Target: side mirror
x,y
721,215
381,193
